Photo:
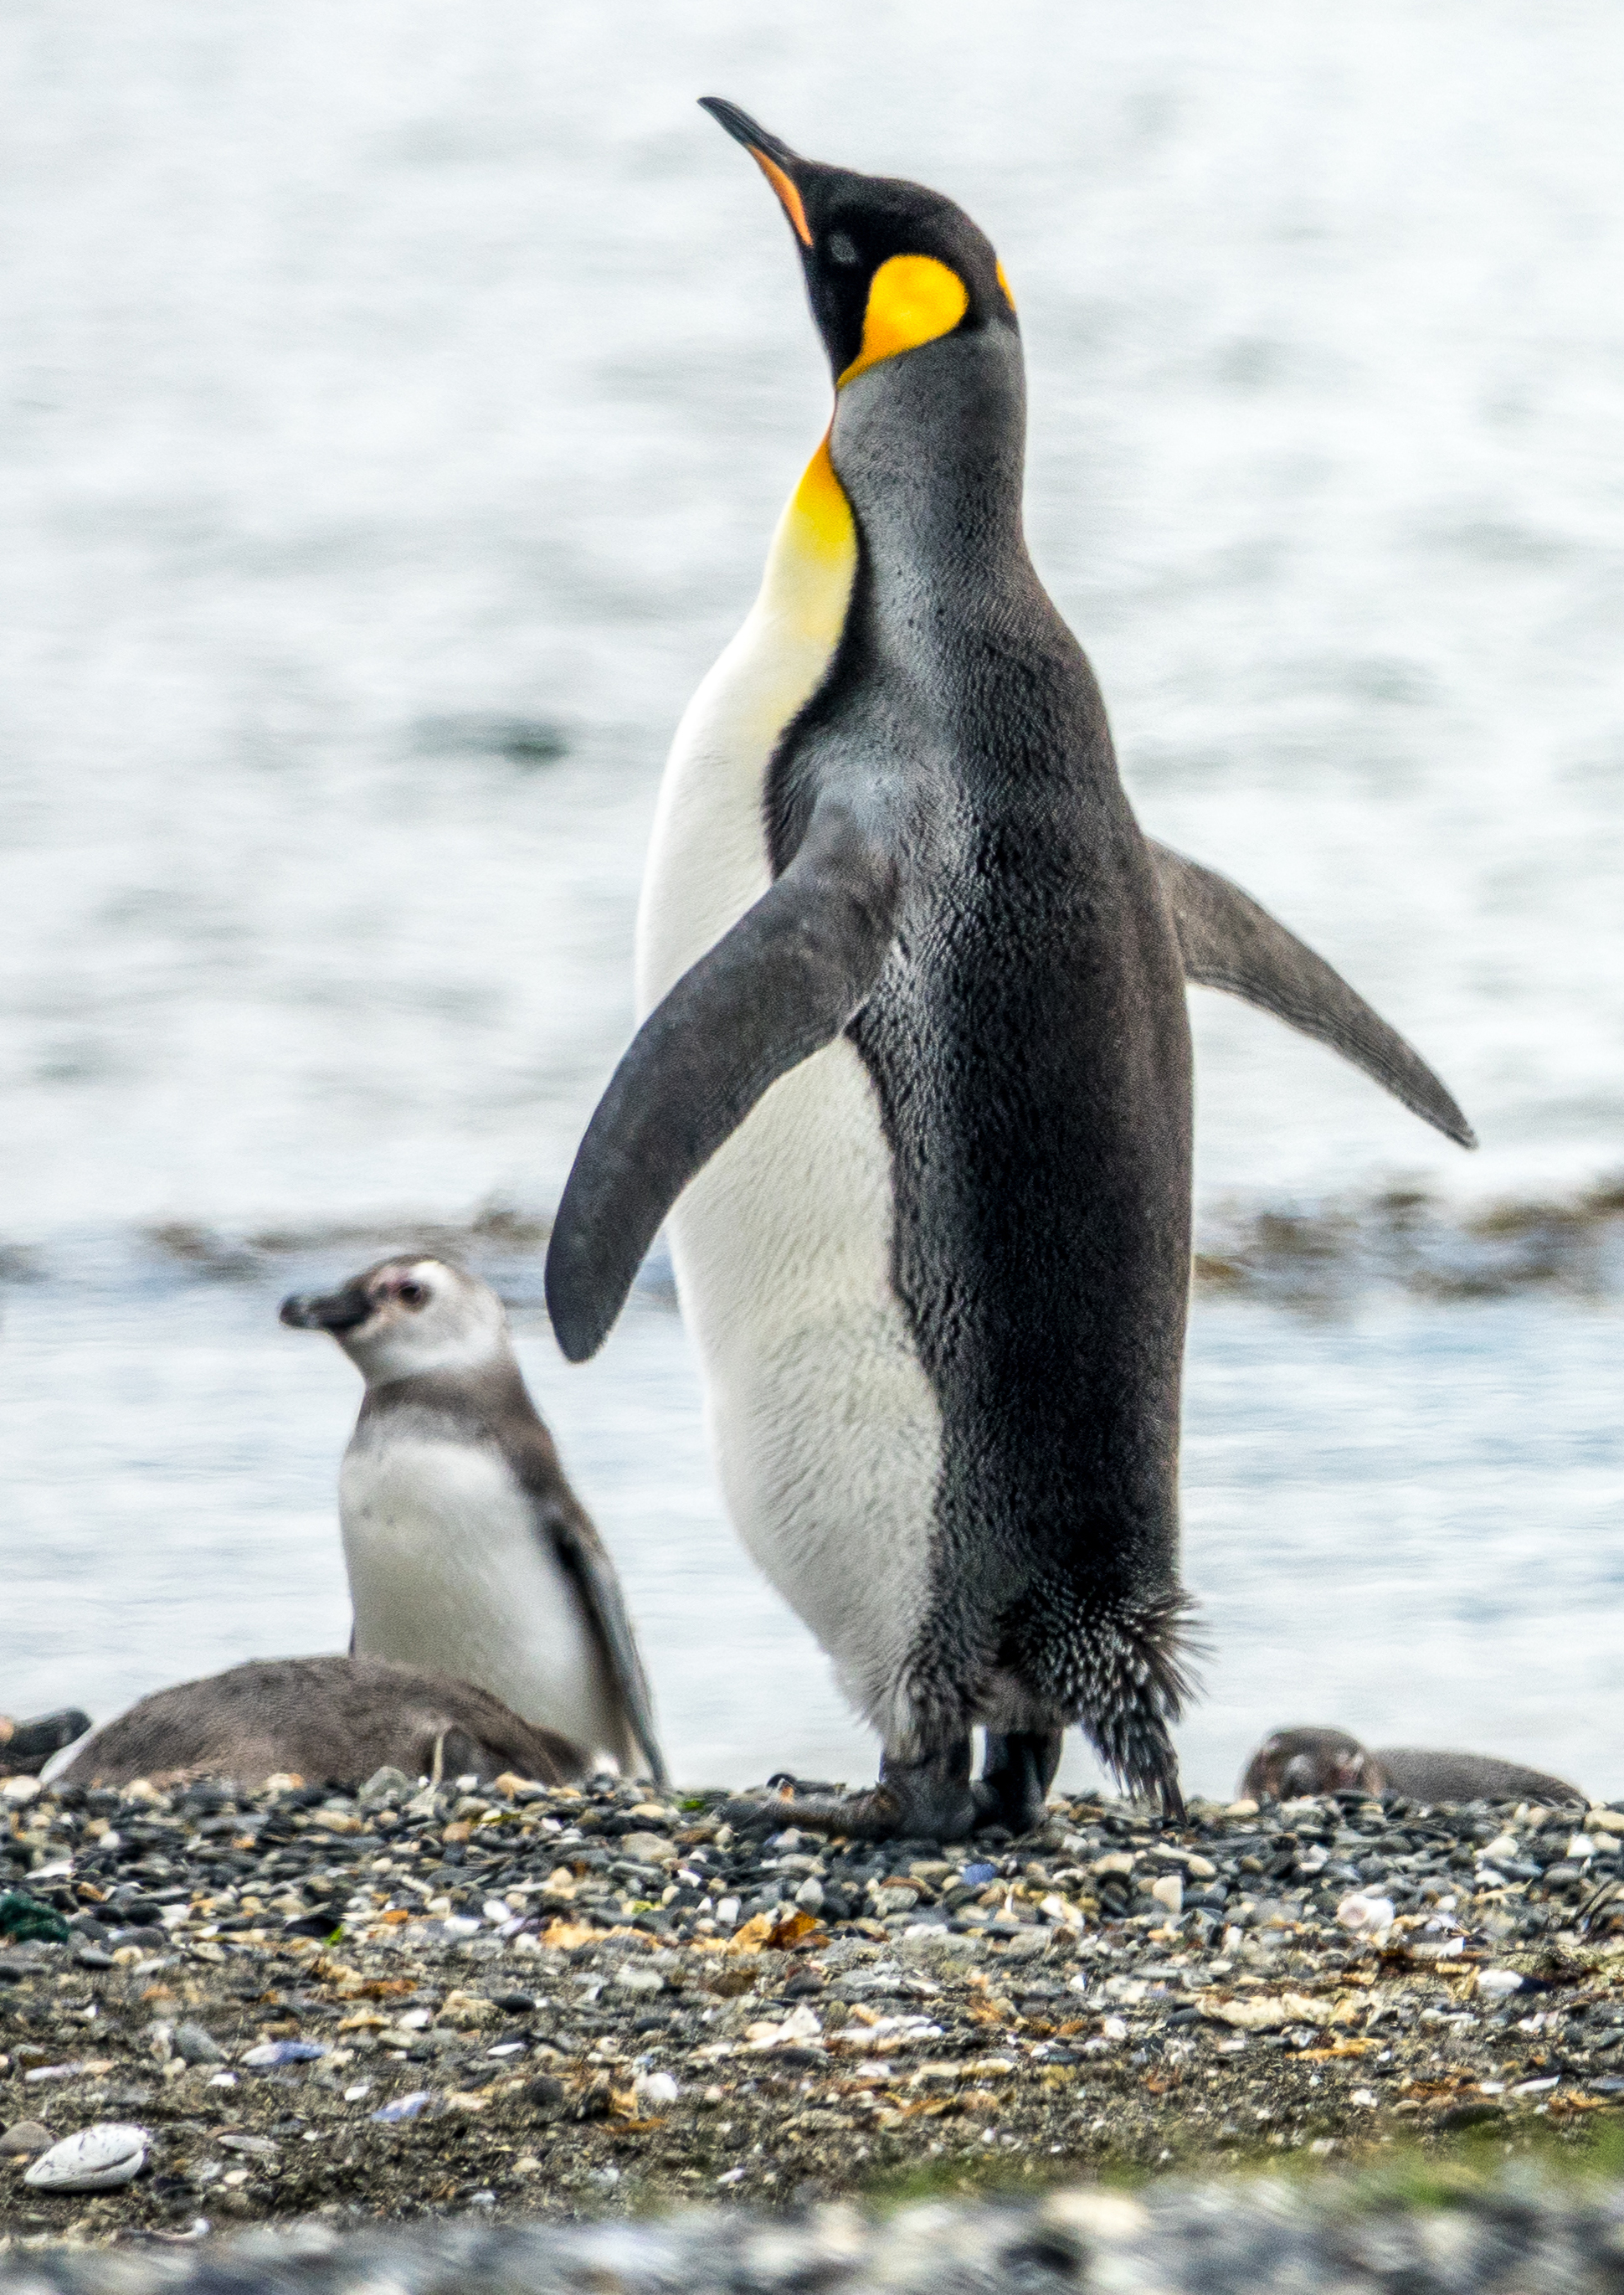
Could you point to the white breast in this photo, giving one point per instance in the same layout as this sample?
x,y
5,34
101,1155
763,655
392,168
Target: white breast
x,y
446,1571
825,1428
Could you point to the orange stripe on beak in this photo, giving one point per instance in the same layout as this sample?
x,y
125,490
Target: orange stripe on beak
x,y
790,198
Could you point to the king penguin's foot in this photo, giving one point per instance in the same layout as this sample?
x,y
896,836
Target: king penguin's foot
x,y
928,1800
1016,1777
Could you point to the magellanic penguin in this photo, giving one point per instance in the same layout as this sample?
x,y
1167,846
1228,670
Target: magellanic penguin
x,y
466,1550
915,1072
1291,1762
331,1720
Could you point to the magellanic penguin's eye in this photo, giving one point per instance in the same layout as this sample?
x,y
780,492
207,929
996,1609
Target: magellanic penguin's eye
x,y
840,250
411,1294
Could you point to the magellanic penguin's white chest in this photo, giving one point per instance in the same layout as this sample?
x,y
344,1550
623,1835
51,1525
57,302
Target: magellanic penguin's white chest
x,y
825,1427
447,1570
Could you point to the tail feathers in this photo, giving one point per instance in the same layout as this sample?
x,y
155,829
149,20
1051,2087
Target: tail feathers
x,y
1136,1680
1121,1673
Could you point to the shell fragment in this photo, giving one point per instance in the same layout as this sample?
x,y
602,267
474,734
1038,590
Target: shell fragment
x,y
96,2160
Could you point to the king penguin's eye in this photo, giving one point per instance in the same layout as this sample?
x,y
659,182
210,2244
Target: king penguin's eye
x,y
411,1294
840,250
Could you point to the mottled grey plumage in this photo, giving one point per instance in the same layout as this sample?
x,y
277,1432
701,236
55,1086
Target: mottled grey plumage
x,y
1291,1763
328,1719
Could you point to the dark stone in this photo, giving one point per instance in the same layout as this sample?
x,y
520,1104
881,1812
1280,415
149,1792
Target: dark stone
x,y
311,1925
546,2096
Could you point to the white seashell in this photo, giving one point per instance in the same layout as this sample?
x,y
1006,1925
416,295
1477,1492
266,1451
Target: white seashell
x,y
1498,1983
96,2160
1366,1916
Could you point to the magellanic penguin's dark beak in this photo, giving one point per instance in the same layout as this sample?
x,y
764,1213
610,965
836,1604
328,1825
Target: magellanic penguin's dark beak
x,y
334,1311
775,159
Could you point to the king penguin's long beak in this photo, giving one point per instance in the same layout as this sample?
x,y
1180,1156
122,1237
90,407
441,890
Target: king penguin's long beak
x,y
775,158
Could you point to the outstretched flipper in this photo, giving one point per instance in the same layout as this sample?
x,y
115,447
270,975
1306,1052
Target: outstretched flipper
x,y
779,986
1229,941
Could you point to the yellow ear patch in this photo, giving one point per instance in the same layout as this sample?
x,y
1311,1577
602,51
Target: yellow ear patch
x,y
912,298
1008,289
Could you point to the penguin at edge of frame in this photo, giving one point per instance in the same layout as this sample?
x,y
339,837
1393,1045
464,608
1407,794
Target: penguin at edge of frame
x,y
914,1080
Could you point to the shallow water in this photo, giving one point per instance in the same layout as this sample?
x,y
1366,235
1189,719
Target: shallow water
x,y
390,390
1404,1518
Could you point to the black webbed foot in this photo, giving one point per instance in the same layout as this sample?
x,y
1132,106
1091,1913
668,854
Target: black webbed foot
x,y
1016,1777
871,1816
928,1800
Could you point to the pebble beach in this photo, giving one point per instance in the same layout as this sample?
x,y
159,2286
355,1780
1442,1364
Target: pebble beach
x,y
523,2003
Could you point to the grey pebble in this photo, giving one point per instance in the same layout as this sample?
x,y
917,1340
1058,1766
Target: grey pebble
x,y
194,2045
23,2138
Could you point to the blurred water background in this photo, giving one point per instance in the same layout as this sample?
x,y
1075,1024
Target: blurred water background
x,y
397,402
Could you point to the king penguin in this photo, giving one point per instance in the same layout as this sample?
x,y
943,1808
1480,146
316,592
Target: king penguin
x,y
466,1550
914,1082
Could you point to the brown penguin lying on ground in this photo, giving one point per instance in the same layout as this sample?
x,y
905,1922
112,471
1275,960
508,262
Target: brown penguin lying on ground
x,y
1293,1762
330,1720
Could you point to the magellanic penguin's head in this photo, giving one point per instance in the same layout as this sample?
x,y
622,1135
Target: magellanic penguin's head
x,y
889,266
1292,1763
405,1317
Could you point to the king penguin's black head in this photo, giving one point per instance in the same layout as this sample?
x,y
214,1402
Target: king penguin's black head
x,y
889,264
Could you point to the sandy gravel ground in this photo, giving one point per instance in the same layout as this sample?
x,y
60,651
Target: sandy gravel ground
x,y
522,2003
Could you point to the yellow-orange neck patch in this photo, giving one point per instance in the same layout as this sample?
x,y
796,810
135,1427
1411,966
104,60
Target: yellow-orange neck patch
x,y
912,299
820,512
812,563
